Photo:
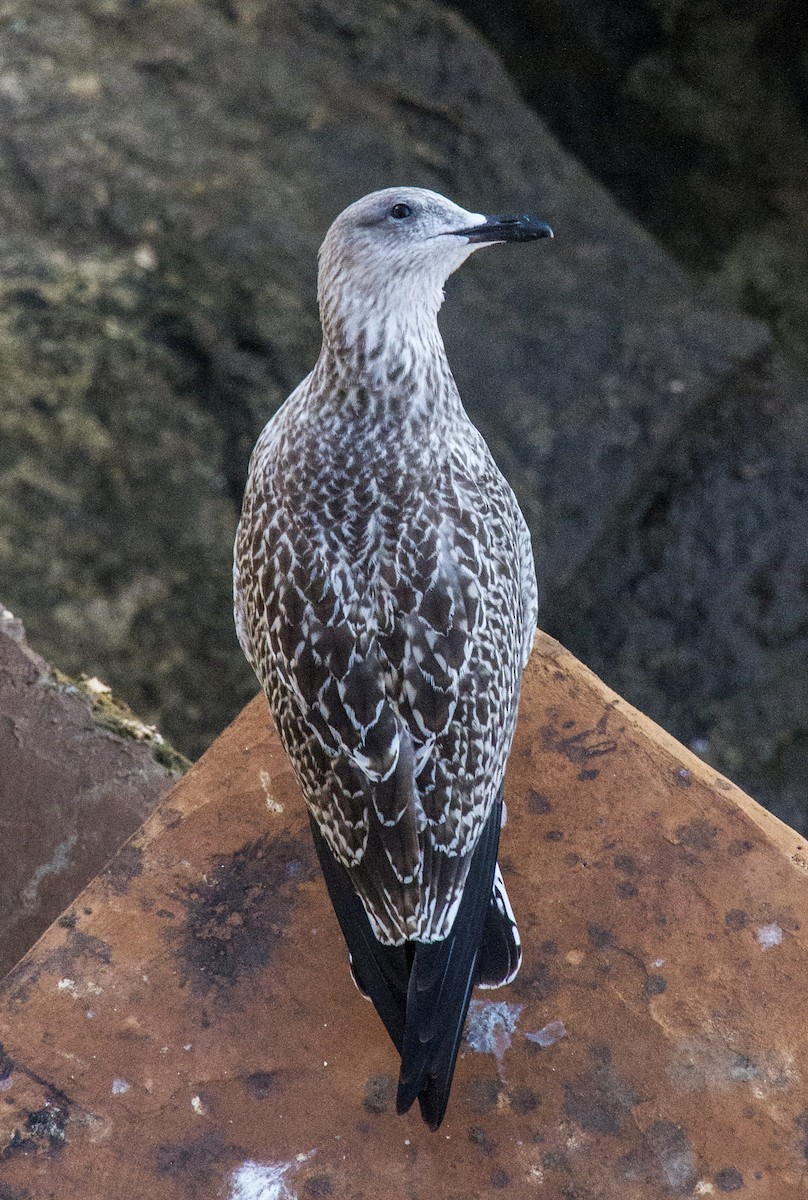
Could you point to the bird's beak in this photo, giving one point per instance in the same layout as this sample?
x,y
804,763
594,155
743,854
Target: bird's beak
x,y
506,228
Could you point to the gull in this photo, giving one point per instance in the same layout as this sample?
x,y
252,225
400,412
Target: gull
x,y
385,595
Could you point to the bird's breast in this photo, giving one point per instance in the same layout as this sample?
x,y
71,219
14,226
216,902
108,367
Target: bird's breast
x,y
359,496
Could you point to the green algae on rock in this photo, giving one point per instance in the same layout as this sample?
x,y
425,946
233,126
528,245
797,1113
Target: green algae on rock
x,y
111,713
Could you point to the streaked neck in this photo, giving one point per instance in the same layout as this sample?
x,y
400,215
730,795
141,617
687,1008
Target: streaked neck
x,y
385,361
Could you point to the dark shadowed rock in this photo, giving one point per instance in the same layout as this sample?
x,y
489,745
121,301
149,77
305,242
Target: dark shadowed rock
x,y
170,171
694,116
697,605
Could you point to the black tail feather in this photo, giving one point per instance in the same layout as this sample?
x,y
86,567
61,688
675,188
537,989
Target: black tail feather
x,y
382,972
441,980
422,990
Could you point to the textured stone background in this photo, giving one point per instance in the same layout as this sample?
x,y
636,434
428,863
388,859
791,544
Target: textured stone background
x,y
168,171
695,117
78,774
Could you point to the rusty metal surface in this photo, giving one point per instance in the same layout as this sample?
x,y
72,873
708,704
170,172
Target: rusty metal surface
x,y
71,791
189,1028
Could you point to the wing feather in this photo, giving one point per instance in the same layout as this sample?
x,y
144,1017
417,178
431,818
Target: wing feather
x,y
386,676
390,639
441,980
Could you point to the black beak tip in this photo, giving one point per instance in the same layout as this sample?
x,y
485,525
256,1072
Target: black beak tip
x,y
540,229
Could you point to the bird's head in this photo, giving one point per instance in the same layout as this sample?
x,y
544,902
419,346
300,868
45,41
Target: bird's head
x,y
395,249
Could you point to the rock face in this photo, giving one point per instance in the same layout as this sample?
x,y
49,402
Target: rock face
x,y
190,1028
77,775
171,169
695,606
696,118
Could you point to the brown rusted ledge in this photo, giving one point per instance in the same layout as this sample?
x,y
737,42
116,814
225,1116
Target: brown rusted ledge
x,y
189,1028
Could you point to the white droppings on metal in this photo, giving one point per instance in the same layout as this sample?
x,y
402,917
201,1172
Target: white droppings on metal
x,y
769,935
88,988
549,1034
491,1025
271,802
264,1181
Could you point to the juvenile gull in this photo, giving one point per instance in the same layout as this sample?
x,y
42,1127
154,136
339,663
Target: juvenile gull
x,y
385,595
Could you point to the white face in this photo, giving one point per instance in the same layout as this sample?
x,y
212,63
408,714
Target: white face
x,y
399,231
396,248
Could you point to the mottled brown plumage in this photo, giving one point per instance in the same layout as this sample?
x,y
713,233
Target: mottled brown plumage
x,y
386,598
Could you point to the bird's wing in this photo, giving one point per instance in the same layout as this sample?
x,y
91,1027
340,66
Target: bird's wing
x,y
529,584
381,972
395,692
442,976
312,632
420,990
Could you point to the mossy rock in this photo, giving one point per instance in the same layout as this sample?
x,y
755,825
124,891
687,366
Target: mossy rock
x,y
115,715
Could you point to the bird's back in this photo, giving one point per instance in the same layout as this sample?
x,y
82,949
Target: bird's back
x,y
386,597
381,598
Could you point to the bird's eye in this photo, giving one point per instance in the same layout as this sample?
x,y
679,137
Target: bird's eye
x,y
399,211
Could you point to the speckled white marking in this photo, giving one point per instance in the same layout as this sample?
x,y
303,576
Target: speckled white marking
x,y
145,257
58,861
491,1025
265,1181
261,1181
769,935
119,1087
272,804
88,988
199,1106
549,1034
